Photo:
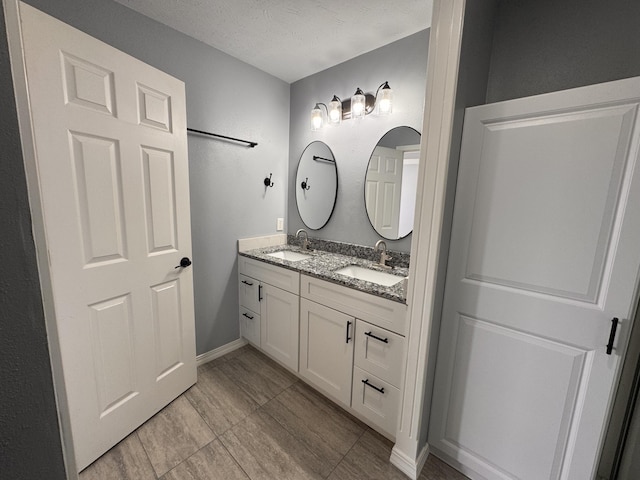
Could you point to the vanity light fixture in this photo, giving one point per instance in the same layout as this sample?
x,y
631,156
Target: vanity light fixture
x,y
356,107
385,101
318,117
335,111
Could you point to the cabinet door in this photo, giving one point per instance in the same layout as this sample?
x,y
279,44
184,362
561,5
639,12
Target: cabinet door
x,y
279,318
326,349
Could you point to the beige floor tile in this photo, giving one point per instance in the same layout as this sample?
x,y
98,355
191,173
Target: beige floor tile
x,y
316,422
368,460
173,435
265,450
436,469
125,461
260,380
216,362
220,400
212,462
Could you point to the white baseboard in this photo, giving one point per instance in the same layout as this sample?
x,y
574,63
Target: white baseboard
x,y
407,465
220,351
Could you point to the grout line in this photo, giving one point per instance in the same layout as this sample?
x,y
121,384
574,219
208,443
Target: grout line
x,y
348,451
236,461
185,459
145,450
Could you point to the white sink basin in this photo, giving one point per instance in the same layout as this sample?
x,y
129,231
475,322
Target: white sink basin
x,y
289,255
368,275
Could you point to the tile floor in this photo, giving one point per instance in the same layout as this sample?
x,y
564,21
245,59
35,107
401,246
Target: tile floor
x,y
248,418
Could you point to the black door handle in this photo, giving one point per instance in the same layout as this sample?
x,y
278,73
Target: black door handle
x,y
348,326
184,262
612,334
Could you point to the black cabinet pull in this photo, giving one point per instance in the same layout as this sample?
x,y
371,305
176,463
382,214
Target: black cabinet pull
x,y
348,328
369,334
366,382
247,283
612,335
248,316
259,293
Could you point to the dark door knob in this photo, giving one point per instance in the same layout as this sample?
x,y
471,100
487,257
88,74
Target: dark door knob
x,y
184,262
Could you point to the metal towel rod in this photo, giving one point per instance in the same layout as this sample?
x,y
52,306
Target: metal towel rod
x,y
202,132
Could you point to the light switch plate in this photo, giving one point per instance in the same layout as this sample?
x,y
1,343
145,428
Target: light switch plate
x,y
280,224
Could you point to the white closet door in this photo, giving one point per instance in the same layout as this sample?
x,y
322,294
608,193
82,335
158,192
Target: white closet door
x,y
544,254
110,142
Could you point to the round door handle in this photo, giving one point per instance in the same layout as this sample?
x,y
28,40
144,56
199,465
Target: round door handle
x,y
184,262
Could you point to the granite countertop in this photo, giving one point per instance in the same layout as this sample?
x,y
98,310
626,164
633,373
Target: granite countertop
x,y
323,264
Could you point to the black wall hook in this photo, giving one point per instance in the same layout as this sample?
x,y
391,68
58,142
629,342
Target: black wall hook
x,y
268,182
305,184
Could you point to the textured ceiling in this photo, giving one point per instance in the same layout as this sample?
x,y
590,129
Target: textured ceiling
x,y
291,39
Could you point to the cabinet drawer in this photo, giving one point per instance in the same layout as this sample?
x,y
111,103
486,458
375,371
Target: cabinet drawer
x,y
277,276
250,326
376,400
248,292
377,310
379,352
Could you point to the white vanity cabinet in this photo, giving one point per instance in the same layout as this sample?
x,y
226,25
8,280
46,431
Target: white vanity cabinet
x,y
370,352
275,302
326,349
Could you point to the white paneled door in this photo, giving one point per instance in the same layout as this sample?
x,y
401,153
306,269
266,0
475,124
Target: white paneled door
x,y
545,252
383,190
111,153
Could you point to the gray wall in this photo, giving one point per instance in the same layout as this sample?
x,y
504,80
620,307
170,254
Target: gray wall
x,y
548,45
404,65
228,198
29,438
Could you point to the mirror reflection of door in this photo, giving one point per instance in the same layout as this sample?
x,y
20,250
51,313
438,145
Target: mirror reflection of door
x,y
391,182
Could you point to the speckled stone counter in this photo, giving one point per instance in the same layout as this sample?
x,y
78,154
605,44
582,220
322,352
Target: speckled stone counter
x,y
323,264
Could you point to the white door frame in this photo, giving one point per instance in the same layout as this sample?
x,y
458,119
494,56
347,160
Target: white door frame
x,y
16,52
433,172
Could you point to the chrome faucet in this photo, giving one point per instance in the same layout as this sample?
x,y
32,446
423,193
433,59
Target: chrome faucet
x,y
305,241
381,244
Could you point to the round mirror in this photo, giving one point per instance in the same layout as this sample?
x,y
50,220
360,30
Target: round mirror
x,y
316,185
391,182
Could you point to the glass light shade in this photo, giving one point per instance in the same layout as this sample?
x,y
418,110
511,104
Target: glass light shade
x,y
358,105
335,111
317,119
385,100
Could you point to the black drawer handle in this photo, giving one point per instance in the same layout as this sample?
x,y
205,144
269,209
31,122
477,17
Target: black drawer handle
x,y
369,334
248,316
247,283
366,382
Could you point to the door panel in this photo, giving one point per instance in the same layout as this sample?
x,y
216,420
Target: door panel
x,y
113,178
543,255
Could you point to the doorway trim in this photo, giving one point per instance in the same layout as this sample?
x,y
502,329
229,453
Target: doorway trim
x,y
18,71
427,268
